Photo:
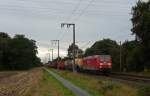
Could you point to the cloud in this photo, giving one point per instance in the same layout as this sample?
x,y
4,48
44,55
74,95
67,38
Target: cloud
x,y
44,54
40,20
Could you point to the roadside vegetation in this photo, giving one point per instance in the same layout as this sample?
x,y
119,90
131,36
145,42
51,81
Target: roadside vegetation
x,y
98,87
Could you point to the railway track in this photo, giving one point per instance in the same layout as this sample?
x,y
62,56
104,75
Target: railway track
x,y
121,76
129,77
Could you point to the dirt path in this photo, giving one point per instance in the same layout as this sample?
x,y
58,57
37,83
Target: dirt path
x,y
6,75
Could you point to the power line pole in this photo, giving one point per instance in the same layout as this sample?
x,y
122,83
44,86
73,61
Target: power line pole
x,y
68,25
48,55
120,56
56,41
52,53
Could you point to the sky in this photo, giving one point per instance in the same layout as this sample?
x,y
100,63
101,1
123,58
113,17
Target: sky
x,y
41,20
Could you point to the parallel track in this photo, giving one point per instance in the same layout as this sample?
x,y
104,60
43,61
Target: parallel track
x,y
121,76
129,77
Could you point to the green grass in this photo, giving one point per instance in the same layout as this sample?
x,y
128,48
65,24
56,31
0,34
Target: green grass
x,y
98,86
49,86
59,86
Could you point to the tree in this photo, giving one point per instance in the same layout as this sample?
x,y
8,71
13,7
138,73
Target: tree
x,y
131,56
17,53
89,51
141,23
23,53
78,51
57,59
4,49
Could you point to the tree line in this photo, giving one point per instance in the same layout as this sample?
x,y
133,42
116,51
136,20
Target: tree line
x,y
17,53
136,53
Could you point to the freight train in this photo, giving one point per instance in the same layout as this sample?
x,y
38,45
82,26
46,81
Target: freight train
x,y
95,63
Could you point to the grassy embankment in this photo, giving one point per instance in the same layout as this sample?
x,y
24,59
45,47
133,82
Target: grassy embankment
x,y
103,86
49,86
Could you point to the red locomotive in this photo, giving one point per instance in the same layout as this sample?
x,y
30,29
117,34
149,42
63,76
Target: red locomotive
x,y
97,63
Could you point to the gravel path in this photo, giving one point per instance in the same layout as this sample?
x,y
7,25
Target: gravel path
x,y
78,91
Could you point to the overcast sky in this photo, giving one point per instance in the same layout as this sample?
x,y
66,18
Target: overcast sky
x,y
40,20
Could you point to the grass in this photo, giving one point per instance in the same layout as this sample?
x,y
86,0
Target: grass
x,y
99,87
49,86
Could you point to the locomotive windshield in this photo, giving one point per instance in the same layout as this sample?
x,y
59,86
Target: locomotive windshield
x,y
105,58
